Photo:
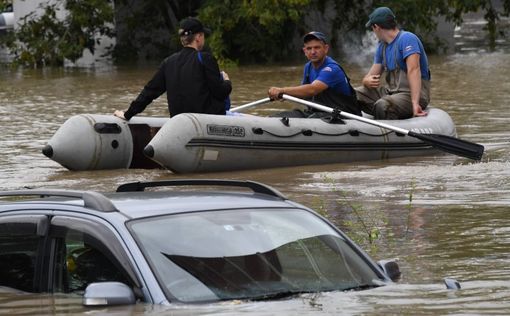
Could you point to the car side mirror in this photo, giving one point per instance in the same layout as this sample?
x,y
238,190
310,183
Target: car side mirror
x,y
108,293
451,284
390,268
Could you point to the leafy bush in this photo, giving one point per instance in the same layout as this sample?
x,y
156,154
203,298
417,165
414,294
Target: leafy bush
x,y
45,40
253,31
246,31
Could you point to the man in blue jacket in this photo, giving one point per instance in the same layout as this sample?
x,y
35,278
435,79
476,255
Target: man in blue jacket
x,y
397,86
324,80
191,78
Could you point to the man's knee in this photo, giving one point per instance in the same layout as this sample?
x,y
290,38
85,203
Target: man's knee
x,y
381,107
393,108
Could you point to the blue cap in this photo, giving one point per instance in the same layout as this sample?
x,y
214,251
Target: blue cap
x,y
381,16
315,35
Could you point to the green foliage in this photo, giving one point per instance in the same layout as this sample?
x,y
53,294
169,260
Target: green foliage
x,y
262,30
367,226
418,15
491,14
251,31
4,4
409,205
245,31
150,24
45,40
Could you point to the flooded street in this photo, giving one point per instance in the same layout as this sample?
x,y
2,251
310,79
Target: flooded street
x,y
441,216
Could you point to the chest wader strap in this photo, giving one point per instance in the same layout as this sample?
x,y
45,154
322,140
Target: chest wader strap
x,y
332,98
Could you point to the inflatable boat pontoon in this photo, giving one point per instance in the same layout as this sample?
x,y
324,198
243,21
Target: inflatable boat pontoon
x,y
93,141
202,143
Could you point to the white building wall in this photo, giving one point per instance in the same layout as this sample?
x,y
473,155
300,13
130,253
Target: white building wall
x,y
7,23
21,8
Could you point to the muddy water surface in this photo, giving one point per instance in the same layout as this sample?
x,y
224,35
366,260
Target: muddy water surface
x,y
441,216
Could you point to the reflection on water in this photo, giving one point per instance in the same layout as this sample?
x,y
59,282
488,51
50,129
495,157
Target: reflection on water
x,y
456,224
437,182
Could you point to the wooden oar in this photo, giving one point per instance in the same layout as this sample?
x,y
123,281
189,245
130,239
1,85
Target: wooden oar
x,y
449,144
251,104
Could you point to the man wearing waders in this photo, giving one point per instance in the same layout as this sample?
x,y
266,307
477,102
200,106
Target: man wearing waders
x,y
397,85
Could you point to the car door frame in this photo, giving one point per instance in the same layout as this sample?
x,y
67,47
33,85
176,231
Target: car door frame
x,y
105,233
43,218
41,227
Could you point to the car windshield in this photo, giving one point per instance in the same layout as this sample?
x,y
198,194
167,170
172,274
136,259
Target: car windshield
x,y
249,254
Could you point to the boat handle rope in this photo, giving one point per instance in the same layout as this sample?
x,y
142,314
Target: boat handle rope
x,y
309,132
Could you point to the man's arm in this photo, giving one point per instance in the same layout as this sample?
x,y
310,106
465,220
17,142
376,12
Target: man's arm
x,y
373,78
414,78
302,91
152,90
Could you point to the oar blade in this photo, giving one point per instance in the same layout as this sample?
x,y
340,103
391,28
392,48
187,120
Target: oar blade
x,y
452,145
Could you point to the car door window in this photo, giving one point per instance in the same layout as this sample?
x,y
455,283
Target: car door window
x,y
21,239
83,257
80,263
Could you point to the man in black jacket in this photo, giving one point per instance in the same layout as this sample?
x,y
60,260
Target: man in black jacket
x,y
191,78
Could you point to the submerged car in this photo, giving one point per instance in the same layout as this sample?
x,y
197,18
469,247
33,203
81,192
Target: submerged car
x,y
182,241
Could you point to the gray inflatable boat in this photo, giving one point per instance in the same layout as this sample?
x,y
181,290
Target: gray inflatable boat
x,y
190,143
202,143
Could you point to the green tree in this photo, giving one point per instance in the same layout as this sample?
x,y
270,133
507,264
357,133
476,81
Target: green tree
x,y
253,30
243,30
417,15
262,30
142,24
45,40
4,4
492,15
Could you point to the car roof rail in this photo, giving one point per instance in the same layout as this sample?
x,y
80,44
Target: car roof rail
x,y
256,187
92,200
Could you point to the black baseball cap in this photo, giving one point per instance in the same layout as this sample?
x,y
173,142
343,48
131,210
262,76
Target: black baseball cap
x,y
315,35
190,26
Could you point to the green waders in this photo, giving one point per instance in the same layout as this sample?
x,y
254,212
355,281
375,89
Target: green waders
x,y
392,100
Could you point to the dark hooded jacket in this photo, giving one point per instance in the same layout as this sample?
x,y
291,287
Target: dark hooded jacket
x,y
192,82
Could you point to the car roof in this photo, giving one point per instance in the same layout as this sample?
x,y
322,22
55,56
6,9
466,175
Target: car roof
x,y
157,203
132,201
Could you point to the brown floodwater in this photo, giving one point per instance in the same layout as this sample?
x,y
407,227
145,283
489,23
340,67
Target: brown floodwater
x,y
441,216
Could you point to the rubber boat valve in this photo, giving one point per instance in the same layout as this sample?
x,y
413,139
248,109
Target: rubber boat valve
x,y
47,151
149,151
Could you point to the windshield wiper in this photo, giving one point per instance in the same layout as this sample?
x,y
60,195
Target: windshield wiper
x,y
287,294
361,287
272,296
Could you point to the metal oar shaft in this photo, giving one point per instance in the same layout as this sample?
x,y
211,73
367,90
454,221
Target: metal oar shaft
x,y
249,105
346,114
